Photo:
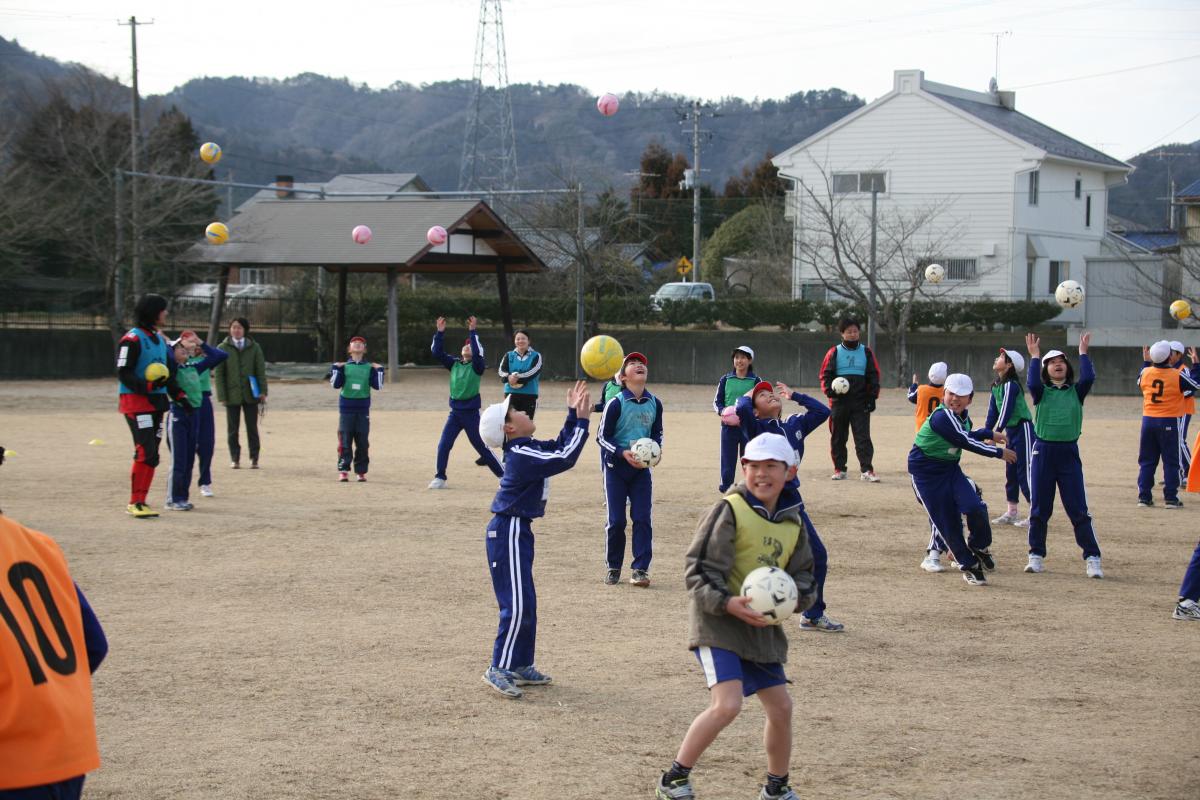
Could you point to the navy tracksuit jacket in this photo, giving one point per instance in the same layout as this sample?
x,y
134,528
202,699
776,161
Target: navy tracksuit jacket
x,y
623,483
464,413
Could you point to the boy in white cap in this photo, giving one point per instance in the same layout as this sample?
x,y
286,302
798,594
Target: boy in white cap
x,y
1008,412
528,466
942,488
757,524
928,397
733,385
1165,390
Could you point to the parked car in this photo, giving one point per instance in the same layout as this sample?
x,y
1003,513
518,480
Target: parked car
x,y
680,290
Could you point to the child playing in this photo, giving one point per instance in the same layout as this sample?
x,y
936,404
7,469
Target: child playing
x,y
356,377
758,524
528,466
1165,389
631,415
206,426
465,372
760,411
1055,464
1008,412
942,488
520,369
183,424
927,398
732,386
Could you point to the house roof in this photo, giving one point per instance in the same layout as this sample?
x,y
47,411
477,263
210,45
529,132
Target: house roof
x,y
352,182
1152,240
317,233
1191,190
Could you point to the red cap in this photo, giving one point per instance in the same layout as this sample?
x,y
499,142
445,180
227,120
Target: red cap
x,y
186,333
467,340
761,386
354,339
635,356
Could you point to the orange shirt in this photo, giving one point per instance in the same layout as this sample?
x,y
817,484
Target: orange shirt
x,y
1161,396
928,398
1189,403
47,726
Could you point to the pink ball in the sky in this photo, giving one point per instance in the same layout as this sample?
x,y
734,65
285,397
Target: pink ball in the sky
x,y
608,104
361,234
436,235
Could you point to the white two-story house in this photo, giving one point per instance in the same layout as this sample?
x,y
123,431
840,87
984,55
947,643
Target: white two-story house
x,y
1026,204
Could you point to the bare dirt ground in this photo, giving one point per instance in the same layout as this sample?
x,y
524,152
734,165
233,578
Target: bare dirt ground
x,y
295,637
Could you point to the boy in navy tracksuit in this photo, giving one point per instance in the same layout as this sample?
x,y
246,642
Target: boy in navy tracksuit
x,y
465,372
761,411
631,415
733,385
356,377
940,485
1165,391
1008,412
183,421
1058,401
528,466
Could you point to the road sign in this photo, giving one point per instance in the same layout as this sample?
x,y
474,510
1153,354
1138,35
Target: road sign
x,y
683,266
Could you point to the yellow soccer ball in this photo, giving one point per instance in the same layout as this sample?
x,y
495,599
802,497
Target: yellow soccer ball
x,y
210,152
217,233
601,357
157,371
1181,309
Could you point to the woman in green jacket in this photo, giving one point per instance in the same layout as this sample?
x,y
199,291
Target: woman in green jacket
x,y
241,383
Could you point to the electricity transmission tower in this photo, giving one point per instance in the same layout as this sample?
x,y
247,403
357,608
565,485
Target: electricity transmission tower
x,y
489,159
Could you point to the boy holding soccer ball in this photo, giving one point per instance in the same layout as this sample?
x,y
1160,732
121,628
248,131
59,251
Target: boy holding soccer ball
x,y
758,524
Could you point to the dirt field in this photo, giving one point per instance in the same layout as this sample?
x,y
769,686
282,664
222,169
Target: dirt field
x,y
295,637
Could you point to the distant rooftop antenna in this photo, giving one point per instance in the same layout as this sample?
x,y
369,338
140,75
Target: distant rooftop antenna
x,y
489,159
994,84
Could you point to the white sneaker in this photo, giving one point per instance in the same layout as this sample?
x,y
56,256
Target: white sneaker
x,y
870,476
840,475
206,491
1093,567
1022,523
1187,610
1036,563
437,483
933,562
1007,518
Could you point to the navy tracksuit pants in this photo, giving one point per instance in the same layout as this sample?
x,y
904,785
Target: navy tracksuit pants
x,y
732,447
206,438
623,483
1163,439
354,431
974,524
1056,465
947,496
820,566
510,555
464,419
1016,475
70,789
182,428
1185,449
1190,588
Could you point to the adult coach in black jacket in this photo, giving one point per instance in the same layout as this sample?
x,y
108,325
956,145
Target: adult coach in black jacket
x,y
852,409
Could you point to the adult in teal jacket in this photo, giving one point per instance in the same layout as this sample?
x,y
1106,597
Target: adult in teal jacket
x,y
241,383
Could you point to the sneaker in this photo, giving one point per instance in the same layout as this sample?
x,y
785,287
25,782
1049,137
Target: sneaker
x,y
821,623
361,478
1022,523
675,790
437,483
206,491
933,562
1187,610
481,462
985,559
234,465
1036,563
1145,503
1093,567
840,475
343,477
975,576
1007,518
870,477
502,681
184,506
640,578
1176,503
529,676
254,463
140,510
785,794
612,577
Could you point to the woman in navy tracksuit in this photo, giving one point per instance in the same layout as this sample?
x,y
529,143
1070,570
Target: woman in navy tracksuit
x,y
1008,412
465,373
760,411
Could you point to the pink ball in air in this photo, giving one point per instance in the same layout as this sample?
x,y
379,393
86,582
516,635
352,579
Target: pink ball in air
x,y
608,104
436,235
361,234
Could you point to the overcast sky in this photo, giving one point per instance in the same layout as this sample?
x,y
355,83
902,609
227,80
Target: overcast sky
x,y
1054,53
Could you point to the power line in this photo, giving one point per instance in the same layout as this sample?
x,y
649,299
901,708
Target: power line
x,y
1105,74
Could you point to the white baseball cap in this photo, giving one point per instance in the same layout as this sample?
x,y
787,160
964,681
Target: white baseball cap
x,y
770,447
1053,354
741,348
938,371
1177,346
1016,358
960,384
491,423
1160,351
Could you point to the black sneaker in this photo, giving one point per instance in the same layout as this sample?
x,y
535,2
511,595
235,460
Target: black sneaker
x,y
1143,503
481,462
974,575
985,559
1176,503
612,577
640,578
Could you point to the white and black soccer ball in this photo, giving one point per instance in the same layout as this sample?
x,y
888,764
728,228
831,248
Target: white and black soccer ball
x,y
934,273
1069,294
647,451
772,593
840,385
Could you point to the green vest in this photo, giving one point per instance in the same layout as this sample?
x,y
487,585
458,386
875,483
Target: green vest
x,y
611,390
735,387
1020,412
464,381
1059,415
204,377
758,542
932,444
189,381
358,380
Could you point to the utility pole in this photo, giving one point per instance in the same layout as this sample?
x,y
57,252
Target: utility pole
x,y
696,190
134,139
872,302
579,233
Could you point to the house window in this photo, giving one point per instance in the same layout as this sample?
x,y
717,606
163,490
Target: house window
x,y
845,182
1087,212
859,182
1078,188
957,269
250,275
813,291
1059,272
1033,188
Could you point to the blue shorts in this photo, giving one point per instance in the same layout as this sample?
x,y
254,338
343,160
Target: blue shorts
x,y
723,665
